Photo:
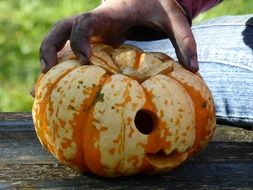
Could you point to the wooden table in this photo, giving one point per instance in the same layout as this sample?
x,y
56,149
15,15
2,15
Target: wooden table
x,y
227,163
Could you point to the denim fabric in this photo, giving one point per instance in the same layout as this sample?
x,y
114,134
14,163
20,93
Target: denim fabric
x,y
225,57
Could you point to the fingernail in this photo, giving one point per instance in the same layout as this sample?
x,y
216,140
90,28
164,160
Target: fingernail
x,y
32,92
194,63
83,59
43,65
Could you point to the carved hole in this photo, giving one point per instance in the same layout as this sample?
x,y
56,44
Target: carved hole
x,y
161,160
145,121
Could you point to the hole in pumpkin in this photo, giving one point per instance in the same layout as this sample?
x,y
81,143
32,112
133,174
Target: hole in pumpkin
x,y
145,121
162,160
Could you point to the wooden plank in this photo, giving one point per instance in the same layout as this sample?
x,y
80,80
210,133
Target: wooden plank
x,y
16,121
188,176
24,147
227,163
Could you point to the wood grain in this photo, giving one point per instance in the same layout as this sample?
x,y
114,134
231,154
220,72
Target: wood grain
x,y
227,163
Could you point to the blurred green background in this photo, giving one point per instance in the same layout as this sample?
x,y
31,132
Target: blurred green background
x,y
23,24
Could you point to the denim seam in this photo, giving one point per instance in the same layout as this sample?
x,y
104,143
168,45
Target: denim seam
x,y
234,117
211,25
225,63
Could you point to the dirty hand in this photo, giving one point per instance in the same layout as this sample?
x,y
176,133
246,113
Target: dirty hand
x,y
113,22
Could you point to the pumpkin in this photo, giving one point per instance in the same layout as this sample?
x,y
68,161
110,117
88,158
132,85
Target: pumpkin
x,y
126,112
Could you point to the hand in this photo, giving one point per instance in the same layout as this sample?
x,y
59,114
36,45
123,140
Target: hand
x,y
113,22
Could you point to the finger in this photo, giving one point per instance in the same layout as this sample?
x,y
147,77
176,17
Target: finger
x,y
184,42
117,40
32,92
54,42
81,33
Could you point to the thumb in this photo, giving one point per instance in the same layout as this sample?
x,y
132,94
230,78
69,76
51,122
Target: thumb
x,y
183,41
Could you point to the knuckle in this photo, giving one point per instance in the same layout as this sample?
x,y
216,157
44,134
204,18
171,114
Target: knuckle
x,y
83,19
188,40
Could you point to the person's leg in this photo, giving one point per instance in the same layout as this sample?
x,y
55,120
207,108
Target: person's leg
x,y
225,57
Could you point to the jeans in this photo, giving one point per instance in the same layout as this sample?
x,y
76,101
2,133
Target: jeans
x,y
225,54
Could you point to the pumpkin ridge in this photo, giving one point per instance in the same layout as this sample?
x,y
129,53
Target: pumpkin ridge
x,y
81,118
202,113
162,150
105,62
49,105
59,153
127,99
90,131
43,106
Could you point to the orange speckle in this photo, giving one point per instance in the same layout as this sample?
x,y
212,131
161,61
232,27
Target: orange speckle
x,y
117,140
101,111
96,121
103,129
141,144
204,105
112,151
177,122
129,120
125,95
59,89
180,110
131,132
134,106
57,111
161,113
134,160
139,97
70,107
50,108
166,144
73,100
167,132
117,169
62,123
66,143
166,102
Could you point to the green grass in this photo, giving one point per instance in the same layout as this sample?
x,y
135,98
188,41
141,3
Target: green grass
x,y
23,24
227,7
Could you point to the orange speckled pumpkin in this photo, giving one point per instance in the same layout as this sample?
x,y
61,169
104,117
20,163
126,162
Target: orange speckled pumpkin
x,y
127,112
